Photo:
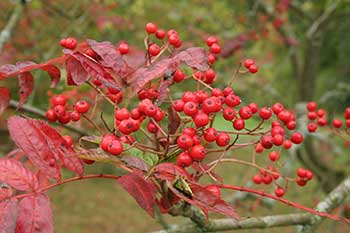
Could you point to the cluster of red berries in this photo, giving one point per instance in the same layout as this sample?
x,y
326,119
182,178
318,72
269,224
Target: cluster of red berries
x,y
214,48
267,177
69,43
58,112
303,176
251,66
115,95
318,117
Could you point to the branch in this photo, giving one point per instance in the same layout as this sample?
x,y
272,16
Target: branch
x,y
322,20
309,221
5,34
334,199
40,113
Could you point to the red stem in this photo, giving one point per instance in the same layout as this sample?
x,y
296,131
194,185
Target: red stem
x,y
92,176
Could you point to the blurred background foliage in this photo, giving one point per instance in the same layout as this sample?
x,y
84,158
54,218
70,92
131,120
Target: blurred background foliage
x,y
295,65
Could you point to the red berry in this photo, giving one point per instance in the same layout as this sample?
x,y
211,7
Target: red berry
x,y
253,69
210,76
312,127
171,32
152,128
321,112
214,190
154,50
51,115
238,124
265,113
150,110
178,76
287,144
69,140
211,58
75,116
189,131
257,179
309,175
159,115
232,100
215,48
259,148
216,92
267,179
291,125
210,134
245,112
135,114
277,130
277,108
190,108
209,105
198,152
88,161
151,28
311,115
59,110
184,160
274,156
201,96
278,139
58,100
173,39
229,113
106,140
184,141
337,123
160,34
126,126
82,106
65,119
347,123
253,107
115,147
311,106
123,48
178,105
284,116
301,172
196,140
300,182
189,96
248,63
211,40
223,139
69,43
279,192
322,121
121,114
201,119
297,138
228,91
266,141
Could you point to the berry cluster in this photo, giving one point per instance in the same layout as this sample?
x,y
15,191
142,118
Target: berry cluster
x,y
69,43
251,66
58,112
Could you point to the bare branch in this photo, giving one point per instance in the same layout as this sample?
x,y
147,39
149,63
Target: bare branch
x,y
5,34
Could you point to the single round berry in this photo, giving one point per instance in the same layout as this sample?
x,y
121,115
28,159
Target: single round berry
x,y
190,108
257,179
274,156
151,28
279,192
245,112
311,106
178,105
229,113
265,113
215,48
82,106
201,119
248,63
189,131
284,116
152,128
69,140
121,114
291,125
75,116
337,123
178,76
211,40
58,100
126,126
115,147
278,139
198,152
184,159
210,134
253,107
65,119
297,138
160,34
266,141
277,108
154,50
51,115
322,121
159,115
106,140
232,100
123,48
184,141
253,69
223,139
216,92
238,124
150,110
189,96
312,127
287,144
60,111
259,148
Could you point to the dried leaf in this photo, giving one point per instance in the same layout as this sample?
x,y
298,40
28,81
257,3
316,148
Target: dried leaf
x,y
135,162
193,57
5,97
33,143
15,174
142,190
8,215
169,172
76,72
26,86
35,215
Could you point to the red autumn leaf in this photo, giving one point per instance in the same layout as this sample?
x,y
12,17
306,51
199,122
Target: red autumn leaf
x,y
16,175
142,190
135,162
35,215
76,72
169,172
33,143
6,70
163,91
54,73
90,66
5,97
193,57
26,85
111,58
59,147
8,215
206,200
232,45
